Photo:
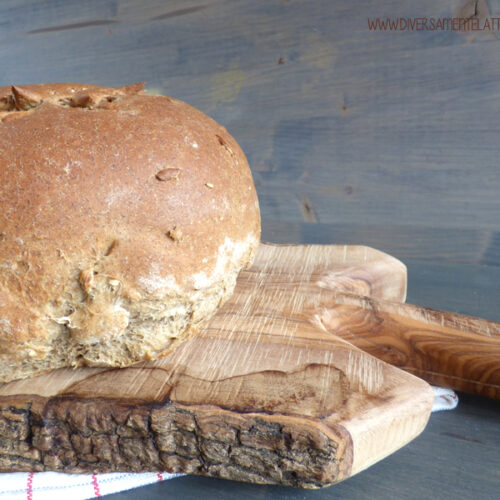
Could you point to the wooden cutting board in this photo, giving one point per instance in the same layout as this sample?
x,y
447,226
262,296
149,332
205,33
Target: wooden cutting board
x,y
269,392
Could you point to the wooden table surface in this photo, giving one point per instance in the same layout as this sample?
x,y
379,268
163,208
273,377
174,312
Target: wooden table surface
x,y
389,139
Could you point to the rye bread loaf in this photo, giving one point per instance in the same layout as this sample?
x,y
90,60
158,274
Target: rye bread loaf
x,y
125,219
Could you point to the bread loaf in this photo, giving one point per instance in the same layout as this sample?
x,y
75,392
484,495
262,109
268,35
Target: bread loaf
x,y
125,219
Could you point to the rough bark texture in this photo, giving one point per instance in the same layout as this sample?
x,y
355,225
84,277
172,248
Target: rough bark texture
x,y
68,435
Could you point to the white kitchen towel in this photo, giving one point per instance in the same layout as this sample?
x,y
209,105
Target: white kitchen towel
x,y
444,399
58,486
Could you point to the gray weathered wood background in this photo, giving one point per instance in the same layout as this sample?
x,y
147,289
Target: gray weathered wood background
x,y
390,139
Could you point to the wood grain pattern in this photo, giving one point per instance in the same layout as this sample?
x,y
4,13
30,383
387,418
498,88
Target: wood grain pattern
x,y
262,395
444,349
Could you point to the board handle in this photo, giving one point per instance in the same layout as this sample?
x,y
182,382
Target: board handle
x,y
443,348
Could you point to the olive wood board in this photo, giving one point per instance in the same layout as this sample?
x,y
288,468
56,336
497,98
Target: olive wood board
x,y
270,391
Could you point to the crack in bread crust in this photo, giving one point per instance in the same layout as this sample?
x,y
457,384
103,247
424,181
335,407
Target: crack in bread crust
x,y
154,330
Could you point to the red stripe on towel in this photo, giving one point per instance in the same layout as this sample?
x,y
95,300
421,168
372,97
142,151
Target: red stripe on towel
x,y
95,484
29,486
